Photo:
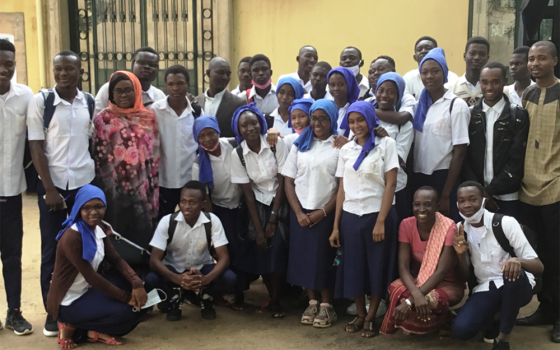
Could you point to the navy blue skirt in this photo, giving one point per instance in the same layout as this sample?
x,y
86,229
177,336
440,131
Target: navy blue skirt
x,y
228,217
437,181
366,267
403,205
310,262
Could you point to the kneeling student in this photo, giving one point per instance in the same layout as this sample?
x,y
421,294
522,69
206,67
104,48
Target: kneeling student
x,y
505,279
181,257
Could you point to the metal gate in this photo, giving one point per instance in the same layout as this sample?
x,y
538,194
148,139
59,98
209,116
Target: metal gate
x,y
105,33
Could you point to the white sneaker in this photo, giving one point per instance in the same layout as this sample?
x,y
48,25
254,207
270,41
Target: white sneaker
x,y
381,310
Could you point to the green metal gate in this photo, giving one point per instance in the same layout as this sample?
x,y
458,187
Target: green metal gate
x,y
105,33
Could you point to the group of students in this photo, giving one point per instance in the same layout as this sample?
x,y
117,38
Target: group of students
x,y
346,185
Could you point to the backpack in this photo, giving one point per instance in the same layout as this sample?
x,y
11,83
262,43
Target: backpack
x,y
207,228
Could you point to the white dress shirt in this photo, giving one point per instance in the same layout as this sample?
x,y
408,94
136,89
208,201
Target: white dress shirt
x,y
211,104
328,96
414,85
487,256
512,94
267,104
236,91
177,144
225,193
80,286
314,173
364,187
492,114
102,97
289,142
280,124
261,169
66,140
306,86
363,85
189,247
13,118
433,148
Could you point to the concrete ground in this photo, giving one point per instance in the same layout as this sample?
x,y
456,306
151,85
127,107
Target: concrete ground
x,y
231,330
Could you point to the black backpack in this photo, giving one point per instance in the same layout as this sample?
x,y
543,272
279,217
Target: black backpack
x,y
207,228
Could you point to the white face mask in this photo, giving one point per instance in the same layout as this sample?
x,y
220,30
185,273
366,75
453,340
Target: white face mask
x,y
476,217
355,69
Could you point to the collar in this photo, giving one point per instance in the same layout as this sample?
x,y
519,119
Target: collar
x,y
498,107
487,219
150,92
277,116
99,232
271,92
164,105
58,100
330,139
218,95
364,82
246,148
202,219
468,83
14,90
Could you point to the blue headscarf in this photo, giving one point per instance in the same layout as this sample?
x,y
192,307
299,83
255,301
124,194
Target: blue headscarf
x,y
206,176
251,107
366,109
298,89
303,142
395,78
84,195
351,83
303,104
425,101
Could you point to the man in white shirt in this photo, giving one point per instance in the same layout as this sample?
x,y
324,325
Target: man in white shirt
x,y
145,65
14,99
244,76
306,58
61,156
498,132
319,82
414,85
467,87
520,74
504,271
351,58
177,145
184,262
263,92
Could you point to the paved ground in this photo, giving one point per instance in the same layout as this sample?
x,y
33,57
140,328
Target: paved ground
x,y
232,330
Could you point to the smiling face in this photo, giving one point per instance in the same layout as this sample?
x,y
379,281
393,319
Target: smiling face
x,y
350,57
191,203
476,56
387,95
123,94
67,71
7,66
541,63
307,58
358,125
261,72
422,49
176,85
286,96
249,126
321,124
93,212
492,83
208,138
300,120
425,204
376,69
469,200
145,66
337,86
431,75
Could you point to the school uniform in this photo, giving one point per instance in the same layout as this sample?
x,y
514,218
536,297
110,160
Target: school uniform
x,y
66,143
289,141
414,85
13,117
463,89
261,172
236,91
153,94
363,85
366,267
494,293
311,256
177,153
267,104
341,114
280,124
512,94
306,86
433,147
187,250
328,95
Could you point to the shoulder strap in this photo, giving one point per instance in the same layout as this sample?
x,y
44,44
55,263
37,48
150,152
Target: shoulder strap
x,y
91,104
269,121
197,110
49,107
500,235
249,100
240,154
172,227
451,104
208,229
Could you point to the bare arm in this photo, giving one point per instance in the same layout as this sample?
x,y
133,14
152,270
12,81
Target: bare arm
x,y
386,204
335,236
393,117
52,197
290,187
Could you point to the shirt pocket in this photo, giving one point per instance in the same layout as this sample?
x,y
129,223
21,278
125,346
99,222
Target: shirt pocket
x,y
441,127
372,166
21,121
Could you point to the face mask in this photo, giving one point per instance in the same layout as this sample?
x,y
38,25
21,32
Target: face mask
x,y
262,87
153,299
355,69
476,217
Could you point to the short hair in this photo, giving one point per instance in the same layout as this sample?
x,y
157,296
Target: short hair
x,y
324,64
429,38
6,45
494,64
524,50
429,188
477,40
548,44
69,53
196,185
245,60
385,57
354,48
144,49
472,184
177,69
259,57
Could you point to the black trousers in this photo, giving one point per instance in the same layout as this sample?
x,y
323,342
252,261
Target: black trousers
x,y
545,222
169,199
11,239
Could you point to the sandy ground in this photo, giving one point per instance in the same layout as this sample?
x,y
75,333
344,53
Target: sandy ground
x,y
231,330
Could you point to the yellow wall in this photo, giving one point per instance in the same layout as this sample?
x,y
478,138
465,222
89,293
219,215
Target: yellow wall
x,y
31,39
278,28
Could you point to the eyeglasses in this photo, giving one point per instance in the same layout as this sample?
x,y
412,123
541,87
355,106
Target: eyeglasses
x,y
322,119
150,64
97,208
119,92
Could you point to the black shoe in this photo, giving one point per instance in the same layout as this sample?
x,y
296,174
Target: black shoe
x,y
491,334
538,318
500,345
190,298
174,310
51,327
555,335
207,308
163,306
16,322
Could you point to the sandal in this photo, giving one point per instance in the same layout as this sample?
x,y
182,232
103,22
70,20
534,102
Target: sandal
x,y
368,332
96,339
65,343
353,326
276,309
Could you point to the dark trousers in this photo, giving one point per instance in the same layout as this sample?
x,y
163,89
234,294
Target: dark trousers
x,y
545,222
96,311
509,208
478,312
403,205
50,223
11,238
220,286
169,198
437,181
